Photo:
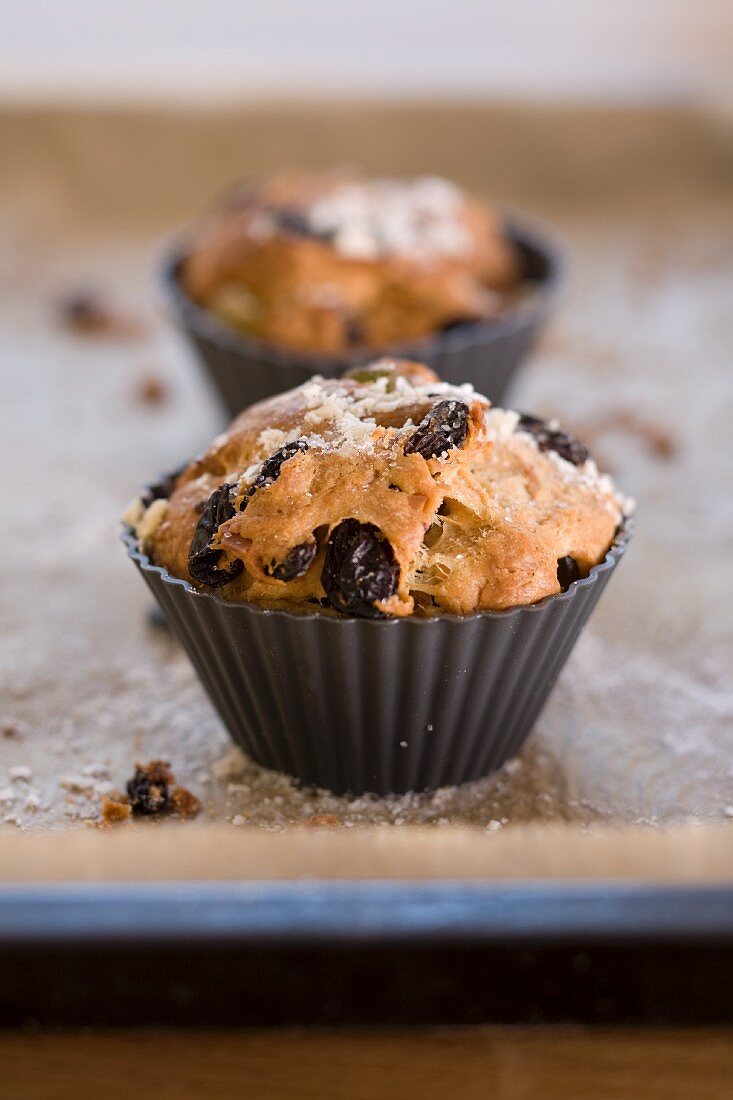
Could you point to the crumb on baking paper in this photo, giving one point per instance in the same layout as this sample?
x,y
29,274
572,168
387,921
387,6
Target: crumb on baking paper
x,y
89,313
148,790
96,770
659,440
185,802
77,784
151,389
10,730
322,821
232,763
114,811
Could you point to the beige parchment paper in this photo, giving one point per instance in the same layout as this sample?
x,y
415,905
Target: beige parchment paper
x,y
640,727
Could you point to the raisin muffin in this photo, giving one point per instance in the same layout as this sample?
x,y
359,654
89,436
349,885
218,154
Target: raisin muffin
x,y
386,493
328,263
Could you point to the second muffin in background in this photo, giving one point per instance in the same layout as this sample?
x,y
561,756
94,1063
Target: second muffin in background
x,y
302,274
326,264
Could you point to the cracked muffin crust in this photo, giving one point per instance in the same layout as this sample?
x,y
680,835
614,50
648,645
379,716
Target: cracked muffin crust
x,y
330,263
384,493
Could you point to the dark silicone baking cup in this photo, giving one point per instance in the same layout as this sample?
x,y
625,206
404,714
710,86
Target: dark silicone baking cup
x,y
485,353
384,706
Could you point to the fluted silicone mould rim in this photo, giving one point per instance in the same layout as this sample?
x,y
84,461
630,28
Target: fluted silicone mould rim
x,y
385,706
245,369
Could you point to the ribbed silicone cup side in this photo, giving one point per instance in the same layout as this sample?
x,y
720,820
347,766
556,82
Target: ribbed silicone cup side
x,y
487,354
391,706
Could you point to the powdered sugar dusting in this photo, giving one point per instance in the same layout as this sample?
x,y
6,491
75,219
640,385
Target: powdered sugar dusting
x,y
346,418
501,424
418,218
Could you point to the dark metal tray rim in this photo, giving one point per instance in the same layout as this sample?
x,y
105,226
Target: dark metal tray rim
x,y
362,911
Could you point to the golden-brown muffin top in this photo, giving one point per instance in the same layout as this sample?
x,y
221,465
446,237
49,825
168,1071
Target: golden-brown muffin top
x,y
325,263
386,493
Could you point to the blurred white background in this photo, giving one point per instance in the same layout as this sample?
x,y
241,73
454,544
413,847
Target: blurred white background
x,y
612,50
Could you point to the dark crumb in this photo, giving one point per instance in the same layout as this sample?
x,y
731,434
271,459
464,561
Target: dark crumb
x,y
156,618
114,811
149,793
185,802
319,821
10,730
83,313
658,439
86,313
151,389
148,790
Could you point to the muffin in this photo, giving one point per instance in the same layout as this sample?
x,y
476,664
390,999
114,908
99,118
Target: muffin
x,y
390,532
323,264
319,271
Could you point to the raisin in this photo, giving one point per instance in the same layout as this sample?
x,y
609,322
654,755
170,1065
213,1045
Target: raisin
x,y
568,571
270,470
148,789
456,323
445,426
89,313
295,223
295,563
354,333
359,569
367,375
532,424
203,562
85,312
572,450
163,488
271,466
